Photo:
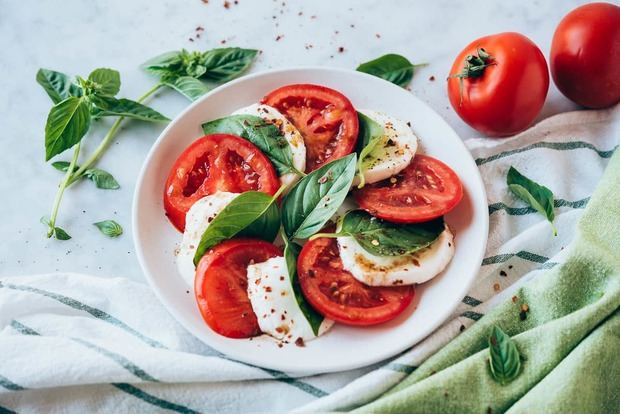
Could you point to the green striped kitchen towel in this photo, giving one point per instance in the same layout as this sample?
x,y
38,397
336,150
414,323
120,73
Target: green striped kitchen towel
x,y
77,343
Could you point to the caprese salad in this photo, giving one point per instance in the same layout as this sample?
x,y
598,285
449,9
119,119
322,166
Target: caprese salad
x,y
300,211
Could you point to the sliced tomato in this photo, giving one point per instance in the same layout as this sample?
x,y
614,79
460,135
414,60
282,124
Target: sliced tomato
x,y
337,295
218,162
221,286
325,118
425,190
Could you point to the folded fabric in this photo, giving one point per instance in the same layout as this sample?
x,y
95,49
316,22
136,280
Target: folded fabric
x,y
77,343
568,339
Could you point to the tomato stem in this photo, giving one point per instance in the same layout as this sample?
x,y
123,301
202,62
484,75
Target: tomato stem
x,y
473,68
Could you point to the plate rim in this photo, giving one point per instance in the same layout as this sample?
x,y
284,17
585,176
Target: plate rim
x,y
176,314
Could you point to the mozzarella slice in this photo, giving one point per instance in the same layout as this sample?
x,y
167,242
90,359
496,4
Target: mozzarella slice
x,y
417,267
291,134
395,151
197,220
273,301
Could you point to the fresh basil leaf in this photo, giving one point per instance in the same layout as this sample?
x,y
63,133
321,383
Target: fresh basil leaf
x,y
504,359
57,85
189,87
237,216
67,123
109,106
383,238
101,178
166,62
108,81
316,197
369,136
225,64
393,68
537,196
63,166
291,252
109,228
60,234
265,135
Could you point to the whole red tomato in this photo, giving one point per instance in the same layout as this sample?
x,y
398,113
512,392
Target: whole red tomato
x,y
585,55
498,83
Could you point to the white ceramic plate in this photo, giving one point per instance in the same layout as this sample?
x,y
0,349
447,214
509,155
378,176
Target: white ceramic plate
x,y
344,347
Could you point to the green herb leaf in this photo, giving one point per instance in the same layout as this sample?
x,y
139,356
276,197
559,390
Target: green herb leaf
x,y
291,252
265,135
101,178
227,63
250,214
109,106
109,227
370,135
316,197
383,238
57,85
189,87
67,123
166,62
60,234
393,68
537,196
108,81
504,359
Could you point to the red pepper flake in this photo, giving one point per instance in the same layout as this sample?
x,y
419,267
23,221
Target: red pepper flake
x,y
502,273
340,49
226,4
205,1
223,41
515,299
497,287
278,37
432,78
280,345
525,307
300,342
267,289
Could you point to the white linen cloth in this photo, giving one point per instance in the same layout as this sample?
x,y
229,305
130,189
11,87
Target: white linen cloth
x,y
73,343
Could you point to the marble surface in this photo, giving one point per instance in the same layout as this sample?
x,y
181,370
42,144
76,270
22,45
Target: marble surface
x,y
77,36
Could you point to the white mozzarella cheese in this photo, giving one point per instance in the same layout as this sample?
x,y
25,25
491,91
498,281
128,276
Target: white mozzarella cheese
x,y
417,267
197,220
273,301
291,134
394,153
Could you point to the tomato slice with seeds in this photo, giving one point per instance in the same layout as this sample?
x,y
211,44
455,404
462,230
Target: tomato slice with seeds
x,y
423,191
221,286
337,295
218,162
324,117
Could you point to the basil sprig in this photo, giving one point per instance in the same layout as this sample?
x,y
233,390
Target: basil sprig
x,y
504,359
251,214
57,232
369,136
537,196
76,103
316,197
265,135
109,228
184,71
391,67
102,179
291,252
382,238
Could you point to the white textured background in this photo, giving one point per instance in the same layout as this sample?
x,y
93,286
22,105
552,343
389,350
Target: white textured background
x,y
76,36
